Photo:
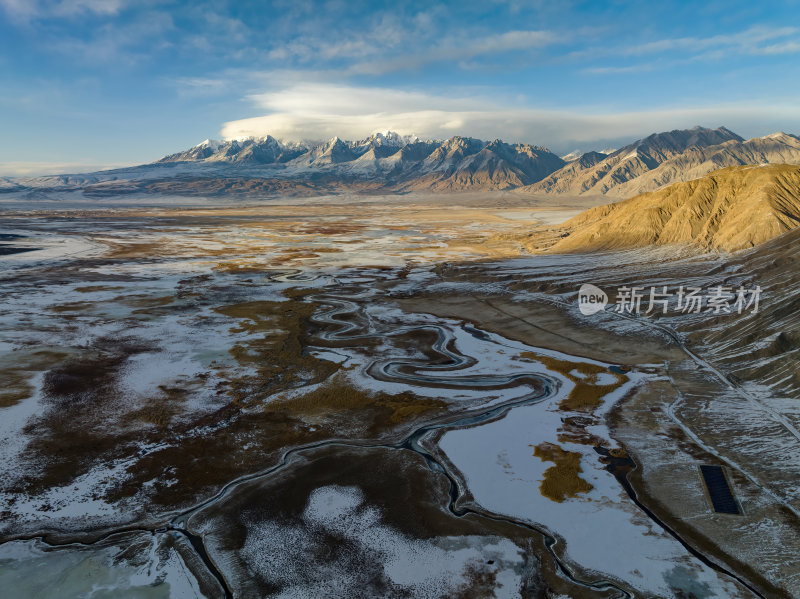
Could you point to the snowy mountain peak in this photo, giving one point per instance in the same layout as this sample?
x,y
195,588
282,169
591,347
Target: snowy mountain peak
x,y
387,138
214,144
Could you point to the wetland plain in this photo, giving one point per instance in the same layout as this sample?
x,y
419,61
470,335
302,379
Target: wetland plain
x,y
383,396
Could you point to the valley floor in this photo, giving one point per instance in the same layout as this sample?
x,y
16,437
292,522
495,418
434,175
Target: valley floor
x,y
383,398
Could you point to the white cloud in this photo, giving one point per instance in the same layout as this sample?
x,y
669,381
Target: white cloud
x,y
782,48
119,43
636,68
511,40
671,52
19,9
321,111
395,46
320,98
25,10
746,41
35,169
458,50
100,7
199,86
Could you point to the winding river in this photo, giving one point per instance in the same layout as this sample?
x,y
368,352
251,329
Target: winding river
x,y
345,321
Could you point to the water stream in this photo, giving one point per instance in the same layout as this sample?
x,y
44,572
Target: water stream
x,y
446,372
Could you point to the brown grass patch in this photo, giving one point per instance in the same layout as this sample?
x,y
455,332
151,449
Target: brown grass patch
x,y
200,464
17,369
339,400
118,250
573,430
561,480
79,424
278,355
144,301
587,395
325,230
292,254
93,288
160,411
72,307
17,388
255,316
480,583
240,266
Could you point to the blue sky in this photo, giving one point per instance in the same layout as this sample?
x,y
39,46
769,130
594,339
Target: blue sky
x,y
104,82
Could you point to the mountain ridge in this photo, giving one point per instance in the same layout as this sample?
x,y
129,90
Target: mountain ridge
x,y
629,162
391,163
452,164
631,170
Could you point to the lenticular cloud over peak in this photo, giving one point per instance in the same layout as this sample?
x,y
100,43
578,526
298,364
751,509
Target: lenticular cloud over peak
x,y
319,111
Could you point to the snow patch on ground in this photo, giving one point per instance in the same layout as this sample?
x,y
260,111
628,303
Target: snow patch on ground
x,y
429,568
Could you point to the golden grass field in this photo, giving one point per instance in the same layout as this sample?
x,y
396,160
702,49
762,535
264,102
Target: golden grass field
x,y
562,480
587,395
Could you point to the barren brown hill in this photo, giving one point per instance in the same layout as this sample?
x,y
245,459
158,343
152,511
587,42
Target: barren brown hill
x,y
729,209
628,164
778,148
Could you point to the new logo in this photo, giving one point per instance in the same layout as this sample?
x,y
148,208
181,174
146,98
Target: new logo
x,y
591,299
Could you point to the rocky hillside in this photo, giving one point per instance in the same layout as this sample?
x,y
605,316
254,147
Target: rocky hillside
x,y
729,209
595,173
665,158
778,148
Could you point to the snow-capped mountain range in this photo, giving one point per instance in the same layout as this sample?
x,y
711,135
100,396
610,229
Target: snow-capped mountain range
x,y
268,150
452,163
389,163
